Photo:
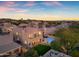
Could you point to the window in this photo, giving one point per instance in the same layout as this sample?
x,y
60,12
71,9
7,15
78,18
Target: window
x,y
40,33
25,42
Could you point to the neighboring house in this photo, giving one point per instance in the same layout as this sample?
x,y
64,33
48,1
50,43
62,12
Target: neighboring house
x,y
6,27
53,53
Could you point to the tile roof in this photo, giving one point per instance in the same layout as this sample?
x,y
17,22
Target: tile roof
x,y
7,44
8,47
53,53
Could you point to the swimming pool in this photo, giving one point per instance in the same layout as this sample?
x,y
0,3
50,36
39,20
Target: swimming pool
x,y
50,39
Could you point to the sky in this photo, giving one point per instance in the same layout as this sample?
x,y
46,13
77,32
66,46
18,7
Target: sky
x,y
40,10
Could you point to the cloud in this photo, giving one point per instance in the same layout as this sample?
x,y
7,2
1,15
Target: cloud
x,y
20,10
8,9
9,4
4,9
52,3
30,3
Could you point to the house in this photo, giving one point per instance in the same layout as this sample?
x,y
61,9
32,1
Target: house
x,y
29,36
32,36
8,47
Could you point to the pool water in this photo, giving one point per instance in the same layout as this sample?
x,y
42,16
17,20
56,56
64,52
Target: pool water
x,y
50,39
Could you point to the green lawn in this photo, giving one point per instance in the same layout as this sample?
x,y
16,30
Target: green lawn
x,y
41,49
36,51
74,26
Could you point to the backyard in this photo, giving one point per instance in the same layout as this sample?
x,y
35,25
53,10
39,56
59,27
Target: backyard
x,y
68,39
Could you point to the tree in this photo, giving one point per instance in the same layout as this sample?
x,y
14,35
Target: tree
x,y
74,53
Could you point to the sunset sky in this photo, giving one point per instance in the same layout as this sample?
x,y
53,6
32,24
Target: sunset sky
x,y
46,10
